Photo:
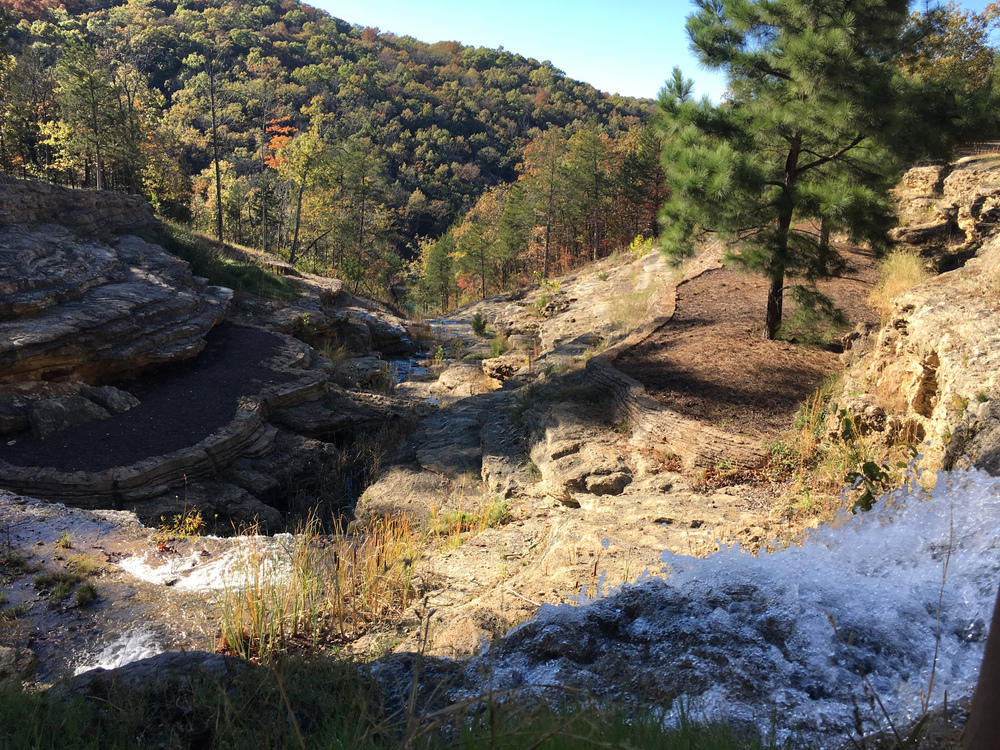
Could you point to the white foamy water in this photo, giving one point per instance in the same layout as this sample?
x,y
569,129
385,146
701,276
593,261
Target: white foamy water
x,y
194,572
789,635
127,648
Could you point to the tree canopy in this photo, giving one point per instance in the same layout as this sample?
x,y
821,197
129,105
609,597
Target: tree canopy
x,y
805,144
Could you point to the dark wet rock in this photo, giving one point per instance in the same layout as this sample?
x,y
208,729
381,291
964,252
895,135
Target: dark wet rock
x,y
178,671
223,506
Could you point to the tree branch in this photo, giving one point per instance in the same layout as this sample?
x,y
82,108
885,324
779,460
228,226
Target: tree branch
x,y
832,157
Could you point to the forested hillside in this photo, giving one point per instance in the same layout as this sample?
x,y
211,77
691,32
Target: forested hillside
x,y
340,147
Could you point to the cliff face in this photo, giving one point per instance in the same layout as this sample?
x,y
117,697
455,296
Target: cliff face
x,y
934,366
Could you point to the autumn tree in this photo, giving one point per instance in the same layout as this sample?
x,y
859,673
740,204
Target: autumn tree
x,y
546,182
87,101
813,105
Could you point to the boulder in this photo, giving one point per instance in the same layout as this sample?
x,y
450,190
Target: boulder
x,y
81,309
14,413
57,414
503,367
114,400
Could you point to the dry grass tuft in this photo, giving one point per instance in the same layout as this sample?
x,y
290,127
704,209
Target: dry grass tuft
x,y
310,588
900,271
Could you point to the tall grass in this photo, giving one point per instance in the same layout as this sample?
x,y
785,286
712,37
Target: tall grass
x,y
203,254
627,310
309,589
900,271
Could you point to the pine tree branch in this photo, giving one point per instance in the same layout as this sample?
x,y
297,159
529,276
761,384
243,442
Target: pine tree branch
x,y
832,157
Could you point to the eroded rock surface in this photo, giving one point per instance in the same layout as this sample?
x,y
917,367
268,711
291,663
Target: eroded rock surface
x,y
86,310
931,372
83,211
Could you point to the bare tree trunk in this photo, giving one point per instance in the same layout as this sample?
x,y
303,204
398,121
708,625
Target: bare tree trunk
x,y
298,219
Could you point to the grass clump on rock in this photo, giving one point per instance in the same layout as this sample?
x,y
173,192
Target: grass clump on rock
x,y
900,272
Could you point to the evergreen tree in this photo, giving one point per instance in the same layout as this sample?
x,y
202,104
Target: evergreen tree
x,y
814,102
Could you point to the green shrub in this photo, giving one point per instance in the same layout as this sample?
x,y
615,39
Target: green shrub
x,y
479,324
499,346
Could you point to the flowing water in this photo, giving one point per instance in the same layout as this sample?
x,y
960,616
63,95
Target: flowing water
x,y
787,637
894,602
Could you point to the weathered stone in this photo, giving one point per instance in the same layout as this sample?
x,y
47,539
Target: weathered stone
x,y
56,414
503,367
112,399
84,310
865,413
934,362
572,453
459,374
608,484
30,202
924,180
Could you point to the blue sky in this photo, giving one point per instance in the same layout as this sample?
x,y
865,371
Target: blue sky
x,y
620,46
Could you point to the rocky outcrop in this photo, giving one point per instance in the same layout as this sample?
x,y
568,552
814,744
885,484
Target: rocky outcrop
x,y
571,448
326,315
82,309
82,211
949,205
931,372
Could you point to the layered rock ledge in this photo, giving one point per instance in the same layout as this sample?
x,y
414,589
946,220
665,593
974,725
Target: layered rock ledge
x,y
84,310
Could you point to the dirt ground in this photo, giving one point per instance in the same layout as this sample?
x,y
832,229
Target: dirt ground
x,y
179,406
710,362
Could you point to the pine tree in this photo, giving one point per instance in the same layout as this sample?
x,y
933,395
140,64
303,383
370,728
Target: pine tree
x,y
800,148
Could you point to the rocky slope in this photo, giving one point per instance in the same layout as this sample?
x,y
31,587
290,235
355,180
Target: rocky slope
x,y
84,304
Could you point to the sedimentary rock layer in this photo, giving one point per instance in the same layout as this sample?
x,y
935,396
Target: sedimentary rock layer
x,y
85,310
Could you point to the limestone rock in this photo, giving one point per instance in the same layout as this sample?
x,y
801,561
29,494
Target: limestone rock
x,y
86,310
459,374
503,367
935,362
574,456
56,414
866,414
359,325
83,211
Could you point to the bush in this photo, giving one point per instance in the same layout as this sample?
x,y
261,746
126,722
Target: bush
x,y
479,324
499,346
